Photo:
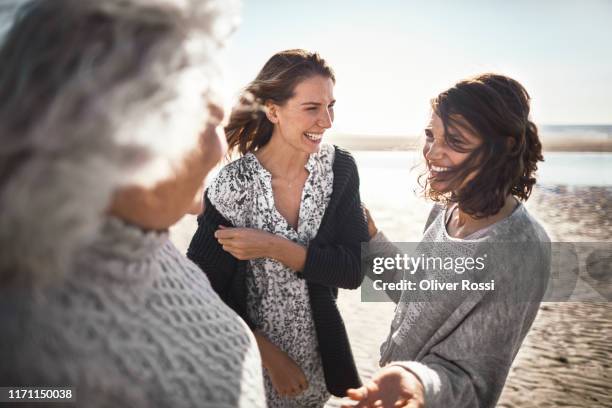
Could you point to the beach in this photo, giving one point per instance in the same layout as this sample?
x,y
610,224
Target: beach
x,y
566,358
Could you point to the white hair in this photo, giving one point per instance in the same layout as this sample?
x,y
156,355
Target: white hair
x,y
107,112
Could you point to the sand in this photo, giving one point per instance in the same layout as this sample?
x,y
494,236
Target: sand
x,y
565,359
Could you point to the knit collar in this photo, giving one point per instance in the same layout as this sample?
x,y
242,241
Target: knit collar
x,y
127,240
122,252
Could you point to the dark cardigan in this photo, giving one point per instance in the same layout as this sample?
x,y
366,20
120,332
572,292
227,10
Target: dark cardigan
x,y
332,262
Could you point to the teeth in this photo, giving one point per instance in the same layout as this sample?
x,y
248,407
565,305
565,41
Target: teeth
x,y
439,169
314,136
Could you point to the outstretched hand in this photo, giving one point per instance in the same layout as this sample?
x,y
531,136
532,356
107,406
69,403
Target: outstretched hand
x,y
391,387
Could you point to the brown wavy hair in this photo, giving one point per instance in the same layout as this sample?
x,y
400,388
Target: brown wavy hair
x,y
249,128
496,108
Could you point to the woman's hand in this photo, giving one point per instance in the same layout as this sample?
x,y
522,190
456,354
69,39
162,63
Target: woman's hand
x,y
391,386
372,230
245,243
249,243
287,377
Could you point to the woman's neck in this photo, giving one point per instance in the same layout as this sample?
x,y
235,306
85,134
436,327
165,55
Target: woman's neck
x,y
461,224
281,159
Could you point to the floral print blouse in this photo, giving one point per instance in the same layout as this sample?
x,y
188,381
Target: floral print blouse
x,y
277,299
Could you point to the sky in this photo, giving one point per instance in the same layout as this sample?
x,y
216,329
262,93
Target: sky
x,y
392,56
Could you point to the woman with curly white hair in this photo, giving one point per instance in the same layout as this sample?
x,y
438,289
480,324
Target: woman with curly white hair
x,y
107,130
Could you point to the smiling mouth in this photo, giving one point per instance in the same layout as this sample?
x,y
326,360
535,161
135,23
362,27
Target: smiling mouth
x,y
315,137
439,169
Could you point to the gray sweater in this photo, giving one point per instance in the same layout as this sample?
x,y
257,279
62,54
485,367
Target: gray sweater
x,y
461,344
135,325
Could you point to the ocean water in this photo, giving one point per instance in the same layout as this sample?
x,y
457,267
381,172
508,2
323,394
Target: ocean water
x,y
380,170
597,132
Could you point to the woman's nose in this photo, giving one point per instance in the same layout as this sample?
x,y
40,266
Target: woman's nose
x,y
326,119
433,151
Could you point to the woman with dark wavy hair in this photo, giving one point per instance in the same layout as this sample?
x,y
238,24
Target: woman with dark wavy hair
x,y
282,228
455,348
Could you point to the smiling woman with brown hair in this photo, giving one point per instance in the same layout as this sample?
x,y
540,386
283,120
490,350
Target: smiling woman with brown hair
x,y
481,152
282,229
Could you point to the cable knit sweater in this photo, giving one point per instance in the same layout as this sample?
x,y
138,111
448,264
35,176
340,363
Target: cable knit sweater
x,y
332,261
135,325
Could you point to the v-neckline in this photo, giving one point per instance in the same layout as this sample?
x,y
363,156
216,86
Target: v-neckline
x,y
478,234
309,167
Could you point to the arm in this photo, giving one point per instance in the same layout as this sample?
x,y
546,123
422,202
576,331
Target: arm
x,y
470,353
469,367
250,243
289,253
220,266
286,376
380,247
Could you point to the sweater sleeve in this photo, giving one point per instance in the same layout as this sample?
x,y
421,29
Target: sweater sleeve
x,y
468,368
338,263
205,251
380,246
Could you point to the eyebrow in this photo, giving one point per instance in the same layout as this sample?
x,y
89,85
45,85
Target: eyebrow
x,y
318,103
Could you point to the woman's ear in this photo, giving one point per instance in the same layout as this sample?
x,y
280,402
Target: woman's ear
x,y
271,112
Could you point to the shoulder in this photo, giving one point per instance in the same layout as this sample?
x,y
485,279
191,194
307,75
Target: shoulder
x,y
529,237
344,167
343,157
232,186
521,226
522,250
522,234
237,170
346,176
535,230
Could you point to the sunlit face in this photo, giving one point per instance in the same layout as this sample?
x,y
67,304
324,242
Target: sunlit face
x,y
162,205
442,158
302,121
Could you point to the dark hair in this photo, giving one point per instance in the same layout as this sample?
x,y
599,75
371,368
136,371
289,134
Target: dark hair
x,y
249,128
496,108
